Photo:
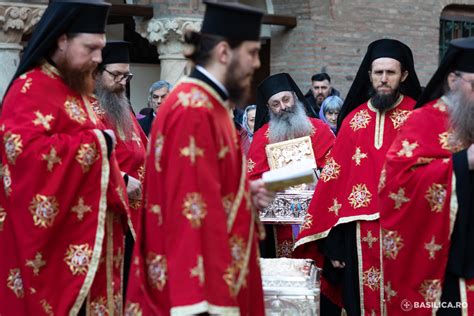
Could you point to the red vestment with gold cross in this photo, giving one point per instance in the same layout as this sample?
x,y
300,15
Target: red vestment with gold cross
x,y
347,192
60,199
197,248
418,209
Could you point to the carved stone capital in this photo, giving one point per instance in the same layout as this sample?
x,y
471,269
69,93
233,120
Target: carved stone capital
x,y
17,19
167,34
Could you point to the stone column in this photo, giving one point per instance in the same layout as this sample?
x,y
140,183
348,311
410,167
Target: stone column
x,y
167,35
16,19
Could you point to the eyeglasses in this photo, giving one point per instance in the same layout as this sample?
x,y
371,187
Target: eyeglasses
x,y
465,80
119,77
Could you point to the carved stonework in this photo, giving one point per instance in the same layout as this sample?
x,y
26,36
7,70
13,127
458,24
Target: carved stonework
x,y
17,19
167,34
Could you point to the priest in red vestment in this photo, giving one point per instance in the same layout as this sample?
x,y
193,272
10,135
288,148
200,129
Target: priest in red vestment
x,y
197,244
113,109
282,114
342,230
62,189
426,198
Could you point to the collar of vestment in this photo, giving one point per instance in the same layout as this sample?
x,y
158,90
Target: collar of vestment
x,y
51,66
202,74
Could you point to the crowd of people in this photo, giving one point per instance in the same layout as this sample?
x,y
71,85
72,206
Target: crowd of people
x,y
106,212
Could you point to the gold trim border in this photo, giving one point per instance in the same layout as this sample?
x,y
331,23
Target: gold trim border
x,y
343,220
203,307
109,257
248,251
238,197
453,205
206,87
360,269
463,296
380,121
99,237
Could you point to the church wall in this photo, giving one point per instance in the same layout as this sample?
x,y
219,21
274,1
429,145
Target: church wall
x,y
333,35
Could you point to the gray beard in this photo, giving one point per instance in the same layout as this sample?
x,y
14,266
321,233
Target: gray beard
x,y
117,110
461,111
289,125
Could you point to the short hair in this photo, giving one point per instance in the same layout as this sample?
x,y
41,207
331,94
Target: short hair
x,y
321,77
158,85
202,45
331,104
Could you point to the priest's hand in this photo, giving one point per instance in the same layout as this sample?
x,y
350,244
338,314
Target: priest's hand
x,y
134,188
261,197
470,157
338,264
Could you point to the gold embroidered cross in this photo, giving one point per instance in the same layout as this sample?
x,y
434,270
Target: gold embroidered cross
x,y
156,209
224,150
358,156
3,216
136,139
335,207
36,264
399,198
389,292
369,239
250,165
198,270
118,258
407,149
51,158
432,247
192,151
26,85
81,208
43,120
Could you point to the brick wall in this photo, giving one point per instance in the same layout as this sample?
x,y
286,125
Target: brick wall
x,y
332,36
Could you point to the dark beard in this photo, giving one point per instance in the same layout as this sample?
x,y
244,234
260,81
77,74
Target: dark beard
x,y
237,94
461,111
80,80
383,102
116,107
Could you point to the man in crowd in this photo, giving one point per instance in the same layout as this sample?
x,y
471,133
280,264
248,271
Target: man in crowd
x,y
426,198
321,88
343,215
280,99
62,190
157,93
197,249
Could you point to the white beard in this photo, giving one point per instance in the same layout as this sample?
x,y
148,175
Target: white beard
x,y
461,111
289,125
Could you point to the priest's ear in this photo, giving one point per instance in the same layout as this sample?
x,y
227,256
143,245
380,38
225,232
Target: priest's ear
x,y
404,75
223,52
452,78
62,42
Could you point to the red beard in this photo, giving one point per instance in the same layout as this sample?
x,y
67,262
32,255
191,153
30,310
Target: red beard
x,y
80,79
